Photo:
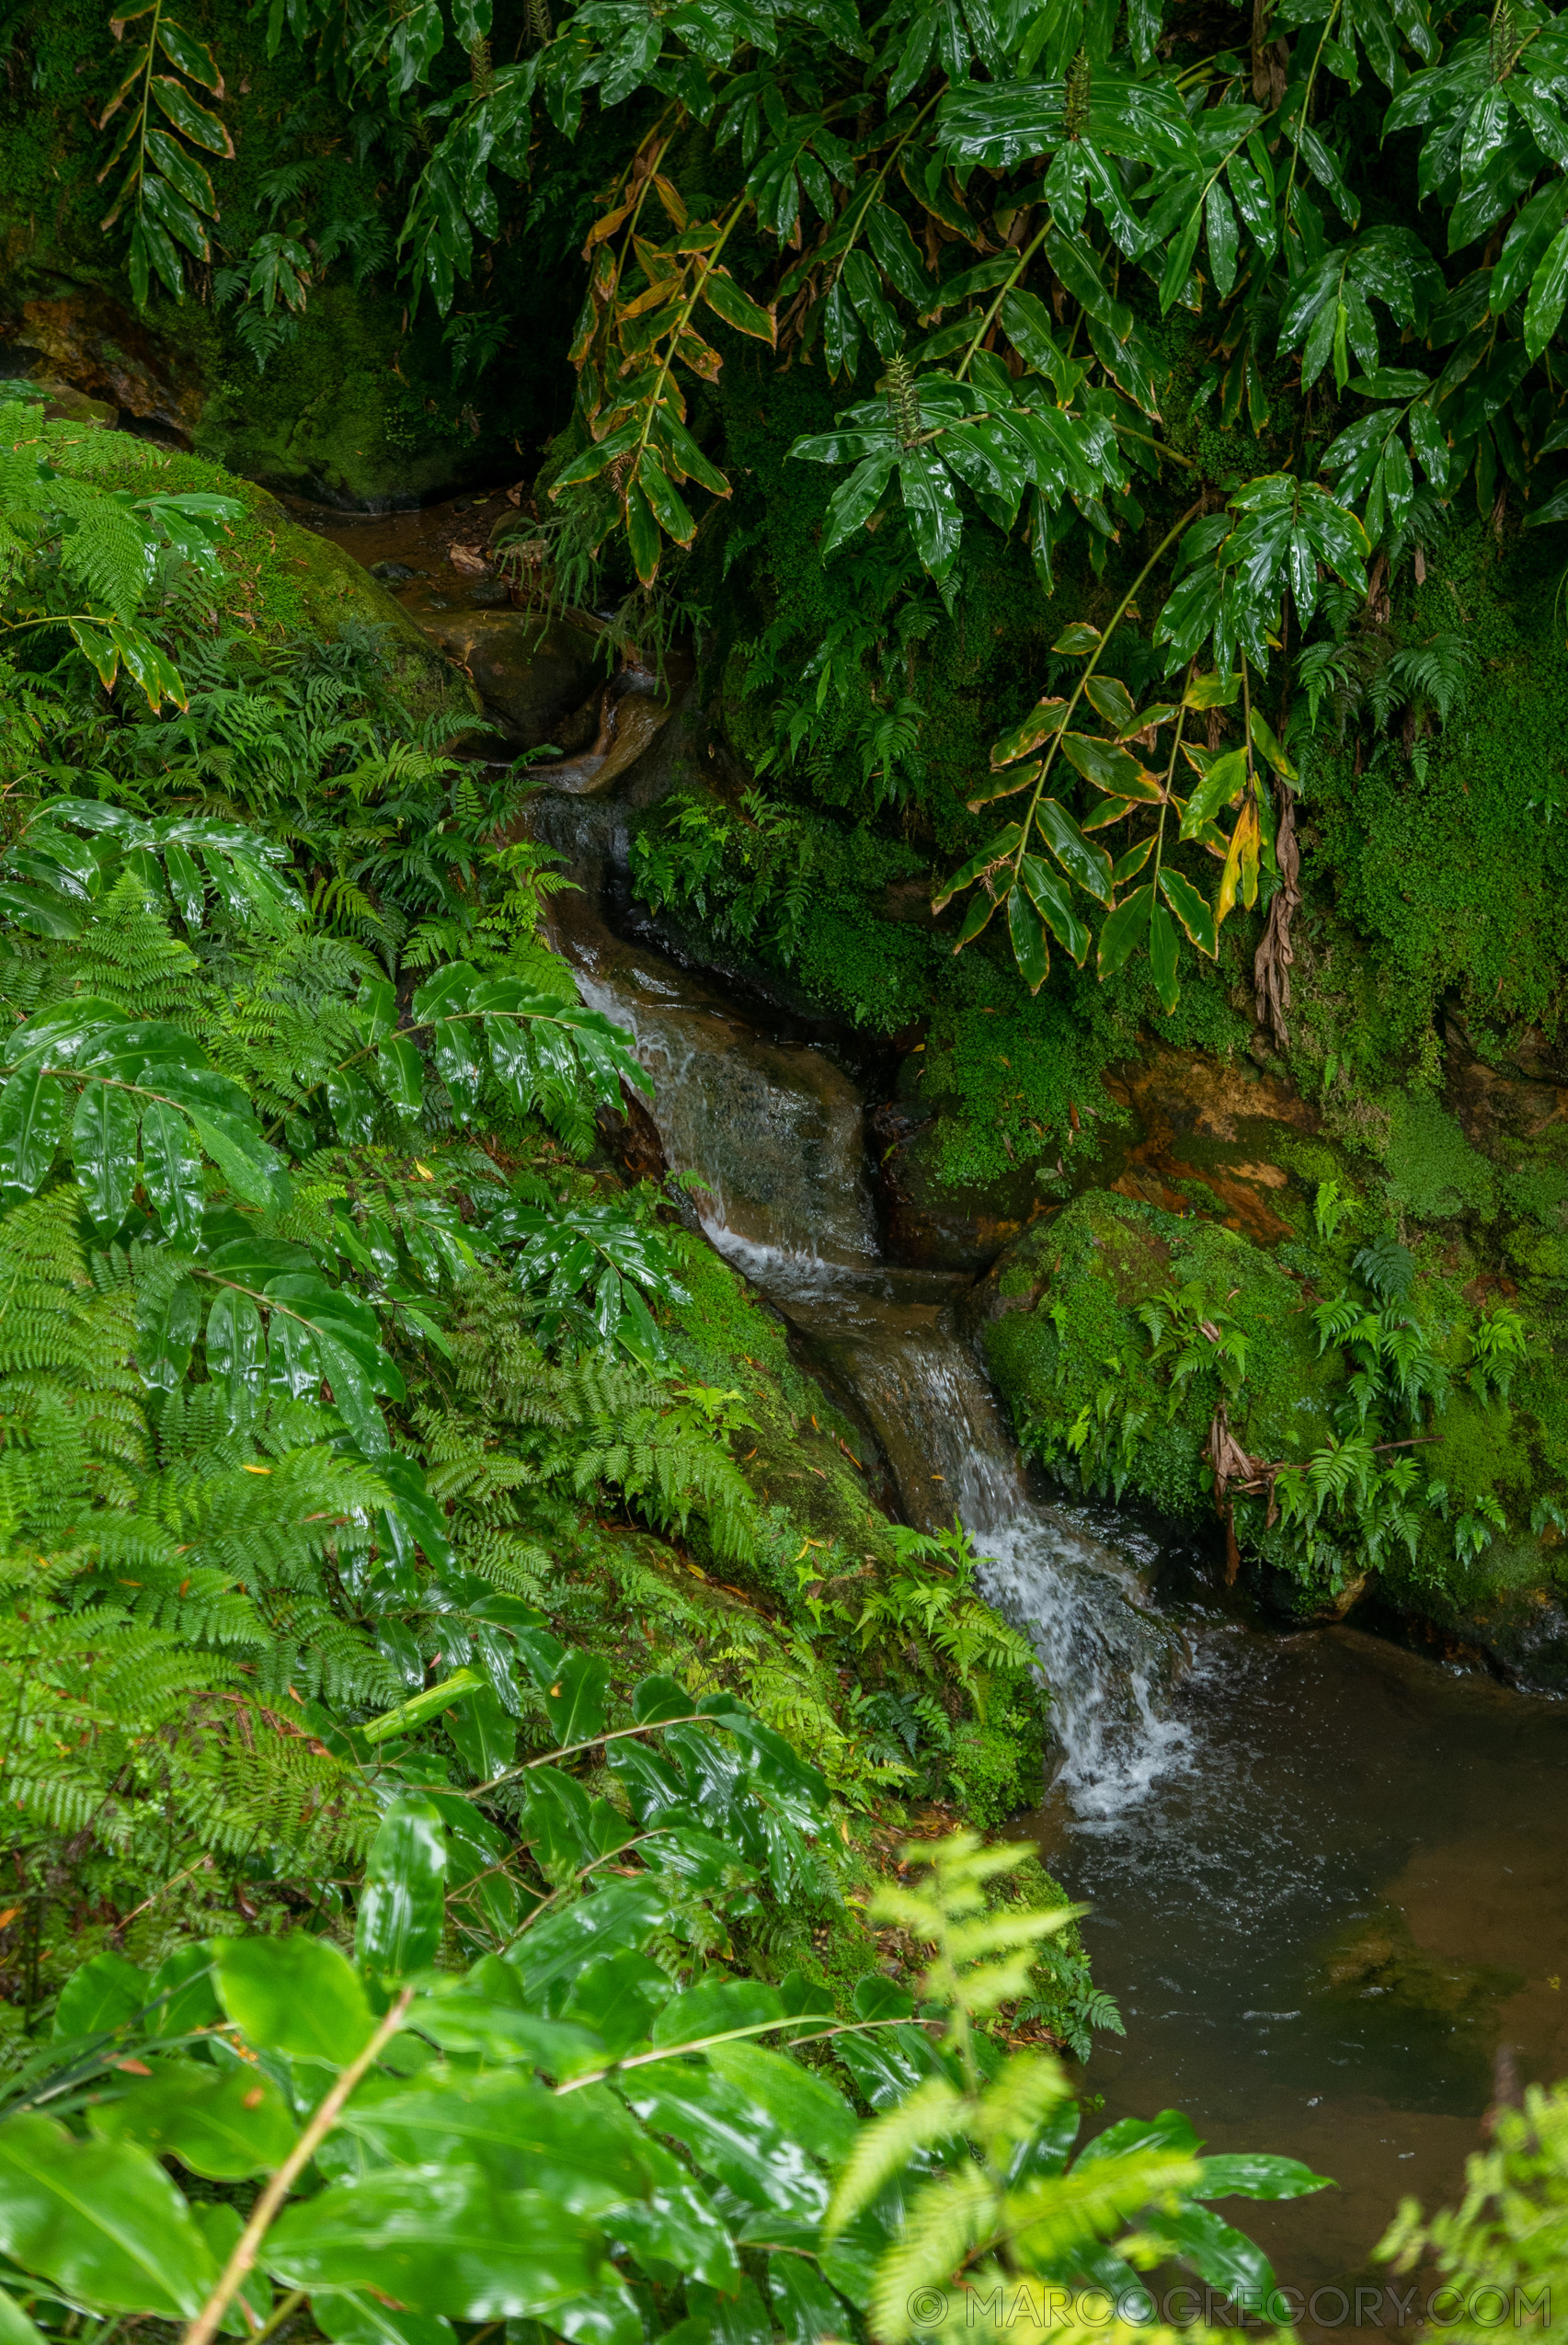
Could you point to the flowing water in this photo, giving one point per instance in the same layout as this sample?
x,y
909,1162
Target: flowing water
x,y
1328,1880
776,1134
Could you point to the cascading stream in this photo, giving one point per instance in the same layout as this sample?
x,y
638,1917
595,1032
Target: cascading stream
x,y
775,1132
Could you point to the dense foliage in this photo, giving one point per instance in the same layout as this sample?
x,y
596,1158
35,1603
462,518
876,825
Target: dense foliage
x,y
326,1359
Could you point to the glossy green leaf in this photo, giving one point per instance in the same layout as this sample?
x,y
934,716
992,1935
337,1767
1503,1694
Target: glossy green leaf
x,y
439,2240
455,1688
104,1994
1045,718
225,2123
724,297
1051,900
403,1901
101,2221
575,1701
1031,949
1193,909
1083,862
1226,2258
32,1117
295,1993
1111,769
1218,784
1249,2176
192,122
1164,953
1124,930
362,2319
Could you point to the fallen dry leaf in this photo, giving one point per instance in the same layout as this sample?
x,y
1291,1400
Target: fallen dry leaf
x,y
466,557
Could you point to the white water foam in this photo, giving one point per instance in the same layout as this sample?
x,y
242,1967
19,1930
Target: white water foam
x,y
777,1133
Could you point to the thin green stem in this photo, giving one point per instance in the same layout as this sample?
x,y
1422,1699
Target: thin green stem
x,y
707,263
1024,257
1301,118
1091,665
283,2310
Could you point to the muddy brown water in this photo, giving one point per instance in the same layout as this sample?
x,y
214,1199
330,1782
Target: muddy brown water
x,y
1324,1923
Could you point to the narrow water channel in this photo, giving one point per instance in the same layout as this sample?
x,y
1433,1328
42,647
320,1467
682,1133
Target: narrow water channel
x,y
1327,1879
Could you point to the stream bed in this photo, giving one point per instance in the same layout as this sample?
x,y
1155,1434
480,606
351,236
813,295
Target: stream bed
x,y
1327,1920
1327,1878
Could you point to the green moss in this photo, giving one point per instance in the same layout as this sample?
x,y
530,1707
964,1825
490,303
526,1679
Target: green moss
x,y
1433,1172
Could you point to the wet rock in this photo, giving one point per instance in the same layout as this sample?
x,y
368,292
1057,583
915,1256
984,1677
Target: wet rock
x,y
539,677
931,1222
1211,1136
629,723
393,572
89,341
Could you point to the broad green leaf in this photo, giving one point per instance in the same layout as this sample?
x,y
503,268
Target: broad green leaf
x,y
102,2220
931,501
999,848
1077,641
1109,698
805,2307
225,2123
403,1901
16,2329
1264,742
1223,2257
439,2240
713,2007
1125,929
1030,948
1250,2176
420,1707
193,57
1169,2131
32,1117
730,2135
362,2319
575,1701
1164,951
103,1995
1549,291
724,297
1216,787
624,1916
1051,900
194,122
1193,909
800,2099
619,1997
1083,862
172,1169
1045,718
1111,769
296,1995
1215,691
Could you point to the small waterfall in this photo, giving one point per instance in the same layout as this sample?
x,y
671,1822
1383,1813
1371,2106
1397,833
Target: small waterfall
x,y
775,1132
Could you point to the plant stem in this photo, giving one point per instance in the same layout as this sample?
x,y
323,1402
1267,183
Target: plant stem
x,y
204,2329
278,2315
1024,257
1092,662
1302,120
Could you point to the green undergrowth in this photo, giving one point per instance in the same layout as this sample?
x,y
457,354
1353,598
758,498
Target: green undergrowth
x,y
1119,1331
315,1404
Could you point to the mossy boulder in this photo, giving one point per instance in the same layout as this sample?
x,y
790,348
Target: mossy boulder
x,y
278,579
1064,1341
